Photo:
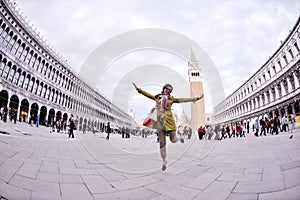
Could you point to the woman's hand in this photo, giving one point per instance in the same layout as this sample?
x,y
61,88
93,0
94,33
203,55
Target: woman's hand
x,y
134,85
198,98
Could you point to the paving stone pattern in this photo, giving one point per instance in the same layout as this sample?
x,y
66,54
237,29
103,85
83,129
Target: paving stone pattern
x,y
36,164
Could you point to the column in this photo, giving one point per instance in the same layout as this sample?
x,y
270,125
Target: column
x,y
285,86
263,98
273,94
279,87
18,112
296,75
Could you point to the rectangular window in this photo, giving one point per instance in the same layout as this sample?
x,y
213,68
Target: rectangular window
x,y
11,75
15,48
43,92
6,41
34,88
291,53
39,90
1,68
297,47
47,95
285,59
3,35
25,83
28,57
36,64
24,54
279,63
16,78
45,69
21,80
32,60
30,86
11,44
48,72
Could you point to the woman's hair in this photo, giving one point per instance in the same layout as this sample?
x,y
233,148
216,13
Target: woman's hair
x,y
168,86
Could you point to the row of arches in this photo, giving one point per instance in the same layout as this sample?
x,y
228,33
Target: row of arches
x,y
30,66
283,110
274,87
27,56
283,88
24,111
28,82
283,59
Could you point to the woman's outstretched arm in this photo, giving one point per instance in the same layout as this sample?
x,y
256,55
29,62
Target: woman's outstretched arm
x,y
146,94
193,99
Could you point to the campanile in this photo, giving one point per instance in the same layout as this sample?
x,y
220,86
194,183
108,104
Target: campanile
x,y
196,89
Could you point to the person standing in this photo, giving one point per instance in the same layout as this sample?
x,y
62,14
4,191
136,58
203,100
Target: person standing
x,y
291,123
223,133
108,130
5,111
262,127
165,123
1,113
37,121
276,125
200,133
123,132
84,128
72,126
256,127
248,126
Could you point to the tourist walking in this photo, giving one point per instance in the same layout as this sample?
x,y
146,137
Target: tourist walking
x,y
108,130
72,126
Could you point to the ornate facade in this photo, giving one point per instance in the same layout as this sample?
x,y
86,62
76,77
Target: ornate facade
x,y
36,81
273,89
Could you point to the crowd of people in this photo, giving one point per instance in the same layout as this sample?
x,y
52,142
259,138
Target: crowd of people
x,y
260,127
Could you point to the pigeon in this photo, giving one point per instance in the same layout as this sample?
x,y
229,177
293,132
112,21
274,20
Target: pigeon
x,y
291,136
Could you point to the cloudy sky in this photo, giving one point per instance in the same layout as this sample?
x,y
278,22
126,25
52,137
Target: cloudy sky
x,y
238,36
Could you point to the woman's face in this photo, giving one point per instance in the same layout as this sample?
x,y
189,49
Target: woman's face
x,y
166,91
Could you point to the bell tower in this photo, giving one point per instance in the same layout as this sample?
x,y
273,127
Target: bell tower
x,y
196,89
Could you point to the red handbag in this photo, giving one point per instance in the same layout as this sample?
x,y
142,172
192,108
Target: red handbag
x,y
148,122
151,119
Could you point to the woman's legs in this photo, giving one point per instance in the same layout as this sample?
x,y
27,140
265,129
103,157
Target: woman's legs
x,y
174,138
162,148
162,145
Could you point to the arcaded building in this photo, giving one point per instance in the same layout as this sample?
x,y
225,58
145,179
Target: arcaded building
x,y
36,81
273,90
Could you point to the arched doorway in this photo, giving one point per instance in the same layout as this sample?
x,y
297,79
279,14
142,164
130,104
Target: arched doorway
x,y
65,116
43,114
3,98
80,123
276,113
282,112
24,110
13,107
58,116
89,125
51,116
270,115
290,110
34,111
76,123
297,108
85,124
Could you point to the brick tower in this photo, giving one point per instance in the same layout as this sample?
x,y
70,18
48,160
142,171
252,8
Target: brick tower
x,y
196,89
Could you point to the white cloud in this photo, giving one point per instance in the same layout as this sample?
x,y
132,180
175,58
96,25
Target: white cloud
x,y
238,36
